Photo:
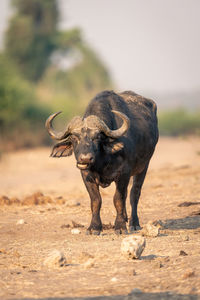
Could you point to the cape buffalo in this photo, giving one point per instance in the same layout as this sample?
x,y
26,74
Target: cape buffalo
x,y
113,141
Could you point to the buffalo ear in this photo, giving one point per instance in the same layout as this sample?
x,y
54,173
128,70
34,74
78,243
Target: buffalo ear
x,y
114,147
62,149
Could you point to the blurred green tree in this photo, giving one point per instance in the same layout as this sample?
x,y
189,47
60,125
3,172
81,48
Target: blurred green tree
x,y
21,114
33,79
30,38
33,36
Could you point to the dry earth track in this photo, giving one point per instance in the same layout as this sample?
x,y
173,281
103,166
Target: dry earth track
x,y
173,178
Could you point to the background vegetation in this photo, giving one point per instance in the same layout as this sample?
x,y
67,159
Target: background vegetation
x,y
179,122
33,81
44,69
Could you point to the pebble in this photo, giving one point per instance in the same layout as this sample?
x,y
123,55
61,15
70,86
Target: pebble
x,y
75,231
133,246
114,279
150,230
182,253
55,259
20,222
188,273
84,257
89,263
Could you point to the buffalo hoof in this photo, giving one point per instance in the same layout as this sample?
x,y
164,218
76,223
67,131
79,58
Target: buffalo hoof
x,y
134,228
93,232
121,231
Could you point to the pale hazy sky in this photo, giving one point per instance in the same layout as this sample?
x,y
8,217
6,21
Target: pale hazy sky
x,y
148,45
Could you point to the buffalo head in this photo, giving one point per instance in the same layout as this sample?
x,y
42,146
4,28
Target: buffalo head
x,y
88,138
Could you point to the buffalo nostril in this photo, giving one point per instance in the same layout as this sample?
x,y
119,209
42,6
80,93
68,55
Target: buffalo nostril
x,y
86,158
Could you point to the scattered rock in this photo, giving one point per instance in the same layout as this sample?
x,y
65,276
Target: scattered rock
x,y
114,279
3,251
157,223
150,230
15,201
65,226
75,231
36,199
60,200
89,263
55,259
76,225
134,273
182,253
133,246
73,203
32,271
20,222
84,257
4,200
189,273
157,264
186,238
187,203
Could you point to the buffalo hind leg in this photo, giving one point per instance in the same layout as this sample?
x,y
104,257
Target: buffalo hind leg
x,y
120,204
134,199
95,197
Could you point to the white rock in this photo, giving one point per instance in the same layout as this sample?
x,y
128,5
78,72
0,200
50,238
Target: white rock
x,y
133,246
114,279
89,263
75,231
150,230
20,222
55,259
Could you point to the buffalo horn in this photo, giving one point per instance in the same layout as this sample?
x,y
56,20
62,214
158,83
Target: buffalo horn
x,y
120,131
60,135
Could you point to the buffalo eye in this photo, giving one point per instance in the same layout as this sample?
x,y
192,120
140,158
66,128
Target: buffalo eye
x,y
96,137
75,139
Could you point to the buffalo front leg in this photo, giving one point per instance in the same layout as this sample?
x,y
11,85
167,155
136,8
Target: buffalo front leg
x,y
120,204
95,197
134,199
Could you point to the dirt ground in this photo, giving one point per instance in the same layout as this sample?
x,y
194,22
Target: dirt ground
x,y
42,197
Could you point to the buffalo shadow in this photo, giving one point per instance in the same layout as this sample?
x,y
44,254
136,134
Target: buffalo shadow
x,y
190,222
136,294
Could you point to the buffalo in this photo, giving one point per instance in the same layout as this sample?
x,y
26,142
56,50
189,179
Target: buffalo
x,y
113,141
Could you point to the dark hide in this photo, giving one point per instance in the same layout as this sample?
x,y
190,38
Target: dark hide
x,y
103,160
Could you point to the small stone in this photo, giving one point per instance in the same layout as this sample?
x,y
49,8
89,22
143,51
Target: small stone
x,y
76,225
72,203
89,263
134,272
84,257
65,226
20,222
150,230
75,231
60,200
114,279
4,200
133,246
55,259
182,253
188,273
186,238
157,264
157,223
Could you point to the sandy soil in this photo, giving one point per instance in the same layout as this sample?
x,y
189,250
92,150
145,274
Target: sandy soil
x,y
94,265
